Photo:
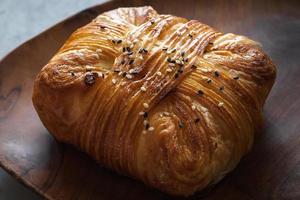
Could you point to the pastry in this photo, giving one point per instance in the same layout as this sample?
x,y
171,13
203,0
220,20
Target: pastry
x,y
166,100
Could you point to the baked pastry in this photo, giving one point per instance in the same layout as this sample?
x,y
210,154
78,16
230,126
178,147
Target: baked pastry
x,y
160,98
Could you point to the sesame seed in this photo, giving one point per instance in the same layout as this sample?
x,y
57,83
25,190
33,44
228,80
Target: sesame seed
x,y
165,48
236,78
141,113
180,125
220,104
158,73
114,81
190,35
186,60
200,92
147,126
90,79
129,53
194,67
145,122
197,120
119,41
143,89
102,27
152,22
98,50
151,128
131,46
217,74
166,113
172,65
193,107
208,80
122,62
169,70
182,53
117,70
130,71
72,73
130,62
124,74
221,88
145,114
128,76
120,73
146,105
176,75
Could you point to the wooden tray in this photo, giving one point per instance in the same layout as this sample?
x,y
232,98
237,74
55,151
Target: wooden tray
x,y
56,171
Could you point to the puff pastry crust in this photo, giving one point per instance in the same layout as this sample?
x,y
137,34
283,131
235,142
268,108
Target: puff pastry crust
x,y
166,100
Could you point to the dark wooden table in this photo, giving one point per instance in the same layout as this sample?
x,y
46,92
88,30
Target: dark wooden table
x,y
56,171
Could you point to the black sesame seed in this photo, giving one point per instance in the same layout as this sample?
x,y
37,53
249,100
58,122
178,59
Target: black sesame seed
x,y
119,41
221,88
176,75
236,78
208,81
129,53
180,125
102,27
89,79
152,22
182,53
117,70
113,41
141,51
190,35
145,50
180,71
186,60
194,67
72,73
200,92
145,114
169,60
197,120
210,43
217,74
135,71
122,62
124,74
147,126
130,62
165,49
124,49
128,49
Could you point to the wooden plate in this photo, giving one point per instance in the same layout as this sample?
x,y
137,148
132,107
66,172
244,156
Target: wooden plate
x,y
57,171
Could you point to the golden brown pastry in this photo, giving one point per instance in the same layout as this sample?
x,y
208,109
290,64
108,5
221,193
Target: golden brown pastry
x,y
160,98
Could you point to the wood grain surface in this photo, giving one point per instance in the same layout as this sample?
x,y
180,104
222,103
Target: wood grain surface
x,y
57,171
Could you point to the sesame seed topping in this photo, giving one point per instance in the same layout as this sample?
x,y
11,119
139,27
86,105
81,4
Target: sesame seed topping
x,y
98,50
128,49
129,53
90,79
172,65
147,126
200,92
124,74
221,88
146,105
151,128
197,120
102,27
158,73
128,76
143,89
220,104
182,53
117,70
145,122
180,125
190,35
193,107
236,78
114,81
145,114
169,70
166,113
208,80
72,73
122,62
165,48
194,67
141,113
177,75
152,22
217,74
130,62
119,41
